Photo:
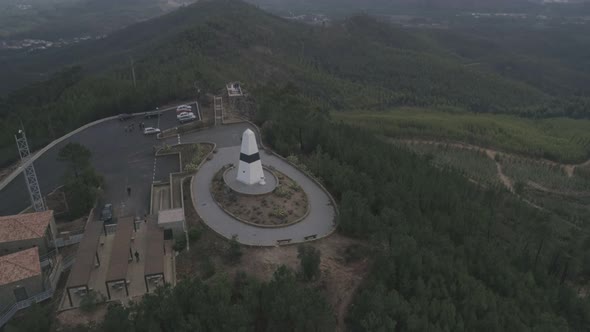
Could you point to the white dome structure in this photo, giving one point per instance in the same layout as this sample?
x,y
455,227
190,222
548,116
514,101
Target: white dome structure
x,y
250,167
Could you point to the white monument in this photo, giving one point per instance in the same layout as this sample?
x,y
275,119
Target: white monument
x,y
250,167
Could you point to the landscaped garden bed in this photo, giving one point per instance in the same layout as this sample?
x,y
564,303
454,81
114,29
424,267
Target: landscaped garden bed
x,y
285,205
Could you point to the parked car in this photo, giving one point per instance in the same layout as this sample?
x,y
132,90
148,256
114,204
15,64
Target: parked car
x,y
183,108
125,116
185,113
186,117
152,114
151,131
106,214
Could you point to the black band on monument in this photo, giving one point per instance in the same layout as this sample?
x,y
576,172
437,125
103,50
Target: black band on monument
x,y
249,158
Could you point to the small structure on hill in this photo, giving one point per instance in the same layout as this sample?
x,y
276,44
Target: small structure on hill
x,y
234,89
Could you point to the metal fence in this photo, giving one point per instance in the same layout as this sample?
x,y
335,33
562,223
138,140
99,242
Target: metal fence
x,y
47,258
62,242
110,228
50,283
7,314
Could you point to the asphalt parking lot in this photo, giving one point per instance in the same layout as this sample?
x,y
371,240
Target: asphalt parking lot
x,y
125,159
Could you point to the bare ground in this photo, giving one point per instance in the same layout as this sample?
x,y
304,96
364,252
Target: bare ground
x,y
75,317
339,278
72,226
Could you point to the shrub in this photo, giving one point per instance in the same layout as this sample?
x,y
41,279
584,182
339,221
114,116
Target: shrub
x,y
281,191
37,318
234,253
354,252
309,259
207,268
191,167
279,213
89,302
179,243
195,149
519,187
293,159
194,234
294,186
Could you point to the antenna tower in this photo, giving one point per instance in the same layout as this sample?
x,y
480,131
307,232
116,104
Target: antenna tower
x,y
29,172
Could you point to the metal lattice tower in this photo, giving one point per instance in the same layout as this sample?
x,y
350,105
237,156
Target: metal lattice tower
x,y
29,172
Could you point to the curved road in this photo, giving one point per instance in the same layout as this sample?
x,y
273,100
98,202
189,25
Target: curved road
x,y
319,221
126,159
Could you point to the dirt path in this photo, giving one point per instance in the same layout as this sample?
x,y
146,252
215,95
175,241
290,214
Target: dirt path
x,y
570,193
339,278
569,169
347,293
504,179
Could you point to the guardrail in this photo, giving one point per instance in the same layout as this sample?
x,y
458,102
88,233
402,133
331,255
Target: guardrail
x,y
50,283
9,313
110,229
67,262
62,242
39,153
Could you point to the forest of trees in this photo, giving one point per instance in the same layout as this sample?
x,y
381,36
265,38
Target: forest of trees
x,y
447,255
360,64
81,182
450,256
220,304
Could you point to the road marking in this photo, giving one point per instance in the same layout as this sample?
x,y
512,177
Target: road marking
x,y
178,138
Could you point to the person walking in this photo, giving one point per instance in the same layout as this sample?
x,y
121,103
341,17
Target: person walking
x,y
136,256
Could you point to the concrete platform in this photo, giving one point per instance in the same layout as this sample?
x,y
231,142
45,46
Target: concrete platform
x,y
230,179
135,270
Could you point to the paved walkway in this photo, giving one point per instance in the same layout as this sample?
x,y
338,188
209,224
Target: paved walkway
x,y
126,159
320,220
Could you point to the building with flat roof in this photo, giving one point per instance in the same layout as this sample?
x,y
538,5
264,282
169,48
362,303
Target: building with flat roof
x,y
172,221
234,89
24,231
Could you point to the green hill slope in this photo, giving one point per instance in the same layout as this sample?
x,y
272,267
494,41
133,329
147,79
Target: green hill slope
x,y
355,64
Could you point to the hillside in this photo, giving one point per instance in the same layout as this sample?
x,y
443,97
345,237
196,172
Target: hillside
x,y
441,247
57,19
356,64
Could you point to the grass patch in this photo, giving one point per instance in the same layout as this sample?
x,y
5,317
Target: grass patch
x,y
475,165
550,177
559,139
575,210
191,154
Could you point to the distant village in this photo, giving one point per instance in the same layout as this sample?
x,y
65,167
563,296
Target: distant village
x,y
312,19
40,44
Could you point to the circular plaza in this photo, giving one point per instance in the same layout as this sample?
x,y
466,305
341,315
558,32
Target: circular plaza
x,y
235,195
